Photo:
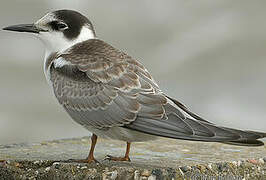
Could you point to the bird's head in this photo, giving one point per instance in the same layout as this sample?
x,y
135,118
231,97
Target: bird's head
x,y
59,29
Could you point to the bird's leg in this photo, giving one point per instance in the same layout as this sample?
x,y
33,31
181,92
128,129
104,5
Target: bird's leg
x,y
125,158
90,157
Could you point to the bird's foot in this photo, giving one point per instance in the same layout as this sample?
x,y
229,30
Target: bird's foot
x,y
112,158
89,161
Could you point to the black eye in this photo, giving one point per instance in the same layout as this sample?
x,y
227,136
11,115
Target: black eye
x,y
58,26
61,26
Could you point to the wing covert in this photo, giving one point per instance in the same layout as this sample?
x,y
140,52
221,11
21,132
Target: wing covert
x,y
103,87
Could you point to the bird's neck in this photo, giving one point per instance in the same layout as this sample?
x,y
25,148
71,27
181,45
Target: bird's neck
x,y
58,46
57,43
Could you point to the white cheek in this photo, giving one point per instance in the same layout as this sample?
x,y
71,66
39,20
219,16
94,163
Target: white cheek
x,y
54,41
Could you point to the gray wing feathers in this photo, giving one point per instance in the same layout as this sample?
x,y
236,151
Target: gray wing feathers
x,y
105,88
90,103
176,128
103,63
180,127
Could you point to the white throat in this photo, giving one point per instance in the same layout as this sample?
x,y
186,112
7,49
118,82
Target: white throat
x,y
56,42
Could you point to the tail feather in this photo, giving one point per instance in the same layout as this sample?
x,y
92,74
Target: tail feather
x,y
194,128
247,142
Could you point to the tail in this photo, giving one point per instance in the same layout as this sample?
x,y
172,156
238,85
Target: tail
x,y
183,124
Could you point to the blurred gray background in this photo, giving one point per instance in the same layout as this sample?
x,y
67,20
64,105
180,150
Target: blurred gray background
x,y
210,55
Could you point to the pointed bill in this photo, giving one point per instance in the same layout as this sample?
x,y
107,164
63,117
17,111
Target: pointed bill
x,y
30,28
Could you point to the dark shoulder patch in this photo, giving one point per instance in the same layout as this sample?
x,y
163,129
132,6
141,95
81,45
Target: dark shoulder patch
x,y
92,47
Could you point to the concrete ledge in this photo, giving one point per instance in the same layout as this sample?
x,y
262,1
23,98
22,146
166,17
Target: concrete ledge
x,y
160,159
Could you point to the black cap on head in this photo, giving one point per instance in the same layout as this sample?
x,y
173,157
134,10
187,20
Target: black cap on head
x,y
74,20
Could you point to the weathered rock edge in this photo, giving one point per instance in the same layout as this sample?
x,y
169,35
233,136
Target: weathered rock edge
x,y
47,169
160,159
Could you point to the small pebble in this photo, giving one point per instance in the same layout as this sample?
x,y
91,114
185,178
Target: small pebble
x,y
106,169
56,165
18,165
84,167
146,173
136,175
234,163
185,168
156,172
182,173
114,175
201,167
47,169
261,161
36,162
239,163
209,166
143,178
152,177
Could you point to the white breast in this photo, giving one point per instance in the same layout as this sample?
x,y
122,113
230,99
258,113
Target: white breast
x,y
46,69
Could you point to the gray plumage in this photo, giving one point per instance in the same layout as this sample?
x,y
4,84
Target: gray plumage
x,y
113,95
104,89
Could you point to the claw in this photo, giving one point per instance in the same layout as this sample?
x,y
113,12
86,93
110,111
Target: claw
x,y
112,158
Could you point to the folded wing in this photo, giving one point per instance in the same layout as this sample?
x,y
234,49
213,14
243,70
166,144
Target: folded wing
x,y
102,87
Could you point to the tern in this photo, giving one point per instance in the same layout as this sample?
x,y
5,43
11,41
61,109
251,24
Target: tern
x,y
112,94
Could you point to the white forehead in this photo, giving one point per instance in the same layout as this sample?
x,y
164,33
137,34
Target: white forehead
x,y
55,40
46,18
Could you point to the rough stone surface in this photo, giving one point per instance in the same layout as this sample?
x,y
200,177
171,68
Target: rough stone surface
x,y
160,159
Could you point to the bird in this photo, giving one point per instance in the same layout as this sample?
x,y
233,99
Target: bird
x,y
112,94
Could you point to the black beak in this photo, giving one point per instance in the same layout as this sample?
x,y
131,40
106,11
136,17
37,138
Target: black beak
x,y
31,28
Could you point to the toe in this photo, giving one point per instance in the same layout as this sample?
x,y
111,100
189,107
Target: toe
x,y
112,158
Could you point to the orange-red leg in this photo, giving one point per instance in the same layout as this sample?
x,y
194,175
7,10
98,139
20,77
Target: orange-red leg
x,y
125,158
90,157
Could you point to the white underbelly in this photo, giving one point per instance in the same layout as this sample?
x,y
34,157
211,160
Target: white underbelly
x,y
122,134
